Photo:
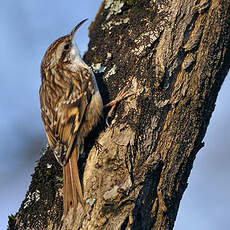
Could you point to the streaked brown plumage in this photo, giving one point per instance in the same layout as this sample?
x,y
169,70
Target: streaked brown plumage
x,y
71,106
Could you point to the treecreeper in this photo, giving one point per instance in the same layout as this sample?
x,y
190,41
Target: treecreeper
x,y
71,105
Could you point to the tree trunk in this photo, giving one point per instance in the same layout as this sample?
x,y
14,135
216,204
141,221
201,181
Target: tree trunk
x,y
174,56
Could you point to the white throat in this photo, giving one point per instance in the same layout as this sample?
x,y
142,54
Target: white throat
x,y
75,53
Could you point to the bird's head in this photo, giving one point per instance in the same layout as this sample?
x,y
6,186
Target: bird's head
x,y
62,51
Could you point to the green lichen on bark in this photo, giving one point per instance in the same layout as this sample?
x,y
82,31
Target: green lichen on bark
x,y
174,55
43,201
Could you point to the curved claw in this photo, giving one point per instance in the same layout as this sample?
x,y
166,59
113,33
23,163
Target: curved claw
x,y
120,96
107,122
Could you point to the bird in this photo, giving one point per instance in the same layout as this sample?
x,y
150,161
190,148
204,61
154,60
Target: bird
x,y
71,105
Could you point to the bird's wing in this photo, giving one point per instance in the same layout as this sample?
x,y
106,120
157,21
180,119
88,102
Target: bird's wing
x,y
63,105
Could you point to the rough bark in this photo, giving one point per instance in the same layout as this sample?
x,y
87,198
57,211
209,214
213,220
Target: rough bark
x,y
174,54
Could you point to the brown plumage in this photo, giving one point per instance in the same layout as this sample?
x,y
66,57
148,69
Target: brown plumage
x,y
71,106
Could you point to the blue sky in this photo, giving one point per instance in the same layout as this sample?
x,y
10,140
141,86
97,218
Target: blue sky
x,y
28,27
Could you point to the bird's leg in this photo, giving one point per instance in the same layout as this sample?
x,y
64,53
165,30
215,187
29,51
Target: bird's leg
x,y
120,96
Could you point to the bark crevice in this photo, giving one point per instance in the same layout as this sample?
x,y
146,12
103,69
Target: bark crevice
x,y
174,55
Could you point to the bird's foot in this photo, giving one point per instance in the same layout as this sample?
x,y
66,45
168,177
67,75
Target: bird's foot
x,y
124,93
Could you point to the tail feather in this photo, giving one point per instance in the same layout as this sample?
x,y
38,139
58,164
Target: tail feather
x,y
72,186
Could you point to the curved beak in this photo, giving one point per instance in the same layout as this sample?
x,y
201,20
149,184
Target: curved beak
x,y
77,27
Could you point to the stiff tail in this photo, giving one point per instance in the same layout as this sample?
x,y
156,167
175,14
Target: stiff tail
x,y
72,185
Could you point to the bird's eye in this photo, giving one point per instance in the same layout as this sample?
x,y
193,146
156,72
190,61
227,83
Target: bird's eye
x,y
66,47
